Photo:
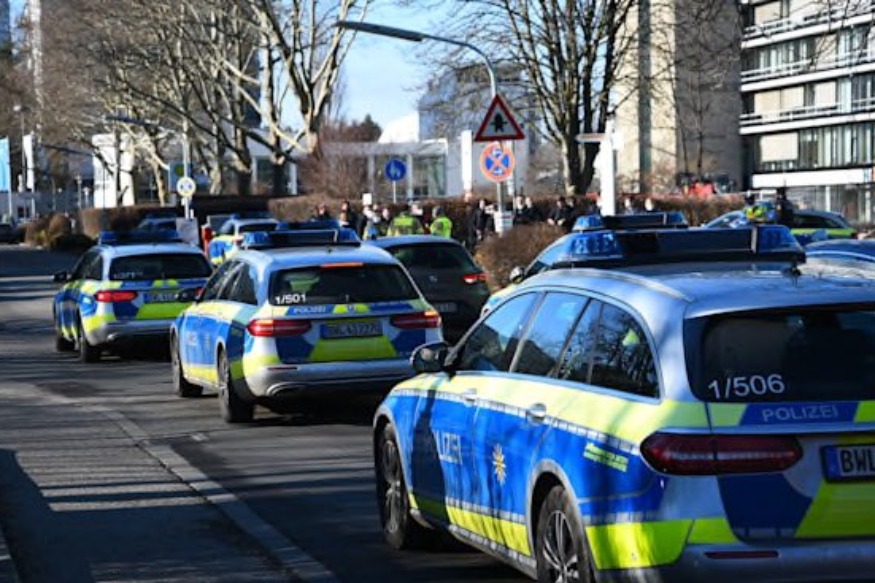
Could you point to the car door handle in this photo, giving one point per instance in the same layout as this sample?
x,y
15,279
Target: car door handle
x,y
470,396
536,413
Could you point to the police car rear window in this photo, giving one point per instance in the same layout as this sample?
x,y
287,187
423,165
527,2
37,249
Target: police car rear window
x,y
354,283
159,266
434,257
797,354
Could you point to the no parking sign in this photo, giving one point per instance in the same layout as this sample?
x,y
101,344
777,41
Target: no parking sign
x,y
497,162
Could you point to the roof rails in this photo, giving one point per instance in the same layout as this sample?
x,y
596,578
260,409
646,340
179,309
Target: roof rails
x,y
655,220
138,237
285,238
607,248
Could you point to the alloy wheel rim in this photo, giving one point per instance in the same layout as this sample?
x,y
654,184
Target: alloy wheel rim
x,y
560,552
392,486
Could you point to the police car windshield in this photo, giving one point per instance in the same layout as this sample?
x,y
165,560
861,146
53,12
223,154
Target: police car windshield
x,y
812,353
354,283
159,266
253,227
433,257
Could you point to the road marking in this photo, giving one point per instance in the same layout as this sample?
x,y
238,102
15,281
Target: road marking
x,y
291,558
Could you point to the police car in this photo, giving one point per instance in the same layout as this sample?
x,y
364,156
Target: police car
x,y
230,236
563,251
125,288
808,225
690,421
295,319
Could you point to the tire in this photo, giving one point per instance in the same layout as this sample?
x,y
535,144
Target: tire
x,y
400,530
560,543
62,344
87,352
183,388
234,409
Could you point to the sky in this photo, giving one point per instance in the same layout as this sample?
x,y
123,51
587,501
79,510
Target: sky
x,y
380,75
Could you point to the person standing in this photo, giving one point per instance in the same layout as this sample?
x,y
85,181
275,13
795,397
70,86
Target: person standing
x,y
442,225
561,215
405,224
321,213
784,209
351,218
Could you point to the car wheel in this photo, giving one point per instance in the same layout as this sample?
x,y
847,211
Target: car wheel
x,y
560,543
399,528
61,343
183,388
87,351
234,409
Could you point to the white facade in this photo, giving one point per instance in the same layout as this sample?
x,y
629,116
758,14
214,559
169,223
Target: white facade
x,y
808,85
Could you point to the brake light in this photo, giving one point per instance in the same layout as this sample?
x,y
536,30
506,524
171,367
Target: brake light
x,y
237,241
429,319
472,278
267,327
113,296
341,265
697,455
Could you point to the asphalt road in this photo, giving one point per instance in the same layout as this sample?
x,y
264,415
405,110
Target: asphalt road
x,y
105,475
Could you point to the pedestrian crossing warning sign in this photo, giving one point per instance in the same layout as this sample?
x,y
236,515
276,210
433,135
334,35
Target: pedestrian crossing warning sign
x,y
499,123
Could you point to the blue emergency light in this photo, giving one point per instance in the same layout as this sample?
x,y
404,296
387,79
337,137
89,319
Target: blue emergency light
x,y
137,237
660,220
631,247
299,238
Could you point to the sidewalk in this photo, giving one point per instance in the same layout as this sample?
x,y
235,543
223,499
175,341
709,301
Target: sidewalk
x,y
81,501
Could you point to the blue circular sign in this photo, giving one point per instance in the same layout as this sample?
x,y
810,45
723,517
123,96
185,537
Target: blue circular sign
x,y
395,170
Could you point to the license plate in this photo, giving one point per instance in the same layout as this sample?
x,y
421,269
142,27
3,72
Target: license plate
x,y
849,462
352,329
161,297
446,307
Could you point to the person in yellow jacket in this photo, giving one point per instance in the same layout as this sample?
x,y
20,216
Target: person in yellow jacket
x,y
442,225
405,224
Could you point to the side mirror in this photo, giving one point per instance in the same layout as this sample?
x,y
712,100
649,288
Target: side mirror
x,y
517,274
430,358
61,277
188,296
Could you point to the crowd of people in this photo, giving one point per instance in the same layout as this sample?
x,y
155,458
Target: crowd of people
x,y
377,221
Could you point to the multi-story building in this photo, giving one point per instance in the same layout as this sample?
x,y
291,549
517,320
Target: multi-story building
x,y
808,87
676,95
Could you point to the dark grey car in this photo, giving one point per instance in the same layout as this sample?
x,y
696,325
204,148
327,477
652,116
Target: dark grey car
x,y
447,276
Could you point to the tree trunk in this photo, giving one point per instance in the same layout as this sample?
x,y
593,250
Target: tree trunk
x,y
279,183
244,182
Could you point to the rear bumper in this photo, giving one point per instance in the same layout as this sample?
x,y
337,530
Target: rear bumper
x,y
815,561
290,382
131,331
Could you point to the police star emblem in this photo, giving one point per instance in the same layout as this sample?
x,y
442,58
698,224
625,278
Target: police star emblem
x,y
499,466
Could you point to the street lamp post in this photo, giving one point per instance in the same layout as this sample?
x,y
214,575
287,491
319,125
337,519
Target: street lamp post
x,y
416,36
22,185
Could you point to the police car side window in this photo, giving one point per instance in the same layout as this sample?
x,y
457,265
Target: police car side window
x,y
82,265
94,269
622,358
491,346
243,288
219,277
542,346
576,363
227,229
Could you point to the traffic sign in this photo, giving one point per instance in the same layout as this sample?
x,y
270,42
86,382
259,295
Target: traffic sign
x,y
395,170
497,162
186,186
499,123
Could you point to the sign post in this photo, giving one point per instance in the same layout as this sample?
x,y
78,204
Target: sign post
x,y
186,188
497,162
395,170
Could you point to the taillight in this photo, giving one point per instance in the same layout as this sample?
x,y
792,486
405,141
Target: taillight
x,y
266,327
697,455
237,241
473,278
113,296
429,319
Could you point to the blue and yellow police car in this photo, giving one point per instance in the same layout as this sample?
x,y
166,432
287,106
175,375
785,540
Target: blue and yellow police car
x,y
711,420
294,319
123,289
230,236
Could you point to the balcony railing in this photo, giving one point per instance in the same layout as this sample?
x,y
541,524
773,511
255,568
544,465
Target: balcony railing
x,y
836,13
809,65
864,105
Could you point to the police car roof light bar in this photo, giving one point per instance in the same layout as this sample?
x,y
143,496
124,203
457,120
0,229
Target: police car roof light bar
x,y
136,237
312,238
670,219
